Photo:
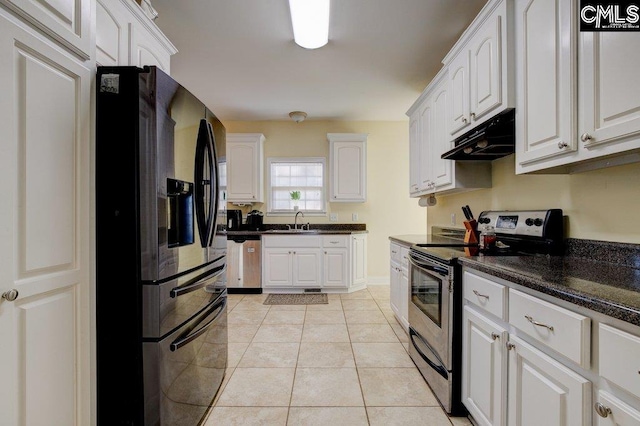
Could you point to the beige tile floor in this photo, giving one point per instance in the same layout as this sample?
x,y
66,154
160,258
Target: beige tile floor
x,y
342,363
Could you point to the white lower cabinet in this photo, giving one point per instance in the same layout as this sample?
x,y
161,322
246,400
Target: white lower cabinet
x,y
332,262
611,411
399,283
544,392
484,386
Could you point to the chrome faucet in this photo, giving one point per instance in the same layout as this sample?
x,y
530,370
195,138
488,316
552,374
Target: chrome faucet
x,y
295,224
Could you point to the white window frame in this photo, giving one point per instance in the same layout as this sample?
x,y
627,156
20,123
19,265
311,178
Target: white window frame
x,y
272,160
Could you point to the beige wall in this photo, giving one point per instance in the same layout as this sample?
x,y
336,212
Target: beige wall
x,y
388,210
600,205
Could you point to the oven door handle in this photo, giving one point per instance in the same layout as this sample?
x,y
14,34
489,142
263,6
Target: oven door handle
x,y
440,270
438,368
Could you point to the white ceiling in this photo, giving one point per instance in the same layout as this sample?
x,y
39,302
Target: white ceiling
x,y
239,57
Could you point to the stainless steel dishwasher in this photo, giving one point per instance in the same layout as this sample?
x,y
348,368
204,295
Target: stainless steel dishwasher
x,y
244,264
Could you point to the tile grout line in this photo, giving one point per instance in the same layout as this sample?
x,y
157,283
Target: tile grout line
x,y
295,368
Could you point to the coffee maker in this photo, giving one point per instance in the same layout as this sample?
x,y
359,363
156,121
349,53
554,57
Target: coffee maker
x,y
255,220
234,220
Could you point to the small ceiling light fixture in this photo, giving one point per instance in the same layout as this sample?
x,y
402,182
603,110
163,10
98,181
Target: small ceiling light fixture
x,y
310,19
298,116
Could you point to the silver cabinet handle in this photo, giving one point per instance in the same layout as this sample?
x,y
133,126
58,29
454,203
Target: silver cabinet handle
x,y
495,336
480,294
473,115
586,137
602,410
325,252
393,251
464,119
539,324
510,346
562,145
10,295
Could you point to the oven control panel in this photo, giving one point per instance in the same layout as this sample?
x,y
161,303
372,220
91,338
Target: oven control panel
x,y
532,223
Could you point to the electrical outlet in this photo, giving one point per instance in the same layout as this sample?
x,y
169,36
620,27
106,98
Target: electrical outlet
x,y
334,217
354,217
453,218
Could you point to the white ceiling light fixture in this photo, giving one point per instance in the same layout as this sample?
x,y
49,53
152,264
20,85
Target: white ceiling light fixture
x,y
298,116
310,19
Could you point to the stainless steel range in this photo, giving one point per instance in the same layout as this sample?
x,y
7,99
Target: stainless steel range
x,y
435,300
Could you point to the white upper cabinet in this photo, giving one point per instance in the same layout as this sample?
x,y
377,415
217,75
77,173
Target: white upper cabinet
x,y
126,36
245,157
429,138
480,69
348,167
584,104
546,113
66,21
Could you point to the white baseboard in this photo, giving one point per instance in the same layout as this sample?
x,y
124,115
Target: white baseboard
x,y
378,280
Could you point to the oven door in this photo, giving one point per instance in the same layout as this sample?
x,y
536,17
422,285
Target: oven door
x,y
430,305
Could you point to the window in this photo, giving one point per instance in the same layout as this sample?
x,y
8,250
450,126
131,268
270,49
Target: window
x,y
303,175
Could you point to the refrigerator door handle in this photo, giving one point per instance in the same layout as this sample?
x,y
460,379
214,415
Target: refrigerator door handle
x,y
215,185
196,283
197,330
204,155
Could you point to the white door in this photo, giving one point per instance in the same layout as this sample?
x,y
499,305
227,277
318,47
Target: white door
x,y
306,268
425,146
544,392
609,98
241,171
336,268
44,237
359,258
348,171
484,369
485,71
394,288
146,49
277,265
414,154
459,92
111,34
404,298
441,140
546,110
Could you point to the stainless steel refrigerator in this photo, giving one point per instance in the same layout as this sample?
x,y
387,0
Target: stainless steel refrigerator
x,y
161,315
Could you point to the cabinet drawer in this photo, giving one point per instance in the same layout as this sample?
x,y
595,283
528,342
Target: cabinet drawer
x,y
564,331
330,241
620,358
296,241
486,294
395,252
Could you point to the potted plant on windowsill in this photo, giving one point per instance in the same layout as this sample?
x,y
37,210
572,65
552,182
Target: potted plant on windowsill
x,y
295,197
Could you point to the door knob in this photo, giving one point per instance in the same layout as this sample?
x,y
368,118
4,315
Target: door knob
x,y
10,295
562,145
602,410
586,137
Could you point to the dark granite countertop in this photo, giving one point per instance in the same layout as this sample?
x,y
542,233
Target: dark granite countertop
x,y
316,229
612,289
409,239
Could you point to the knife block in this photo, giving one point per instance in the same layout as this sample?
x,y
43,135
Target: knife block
x,y
471,235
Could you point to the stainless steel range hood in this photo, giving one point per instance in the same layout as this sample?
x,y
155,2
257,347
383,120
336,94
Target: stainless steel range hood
x,y
492,139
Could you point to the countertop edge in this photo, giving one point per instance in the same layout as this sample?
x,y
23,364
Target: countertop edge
x,y
603,306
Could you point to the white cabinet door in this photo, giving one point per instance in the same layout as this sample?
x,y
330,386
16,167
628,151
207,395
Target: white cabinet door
x,y
617,412
277,264
244,167
546,108
426,138
306,268
335,264
485,75
441,142
146,49
609,98
414,155
484,369
66,21
45,251
111,34
404,299
544,392
394,288
348,167
359,259
459,92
